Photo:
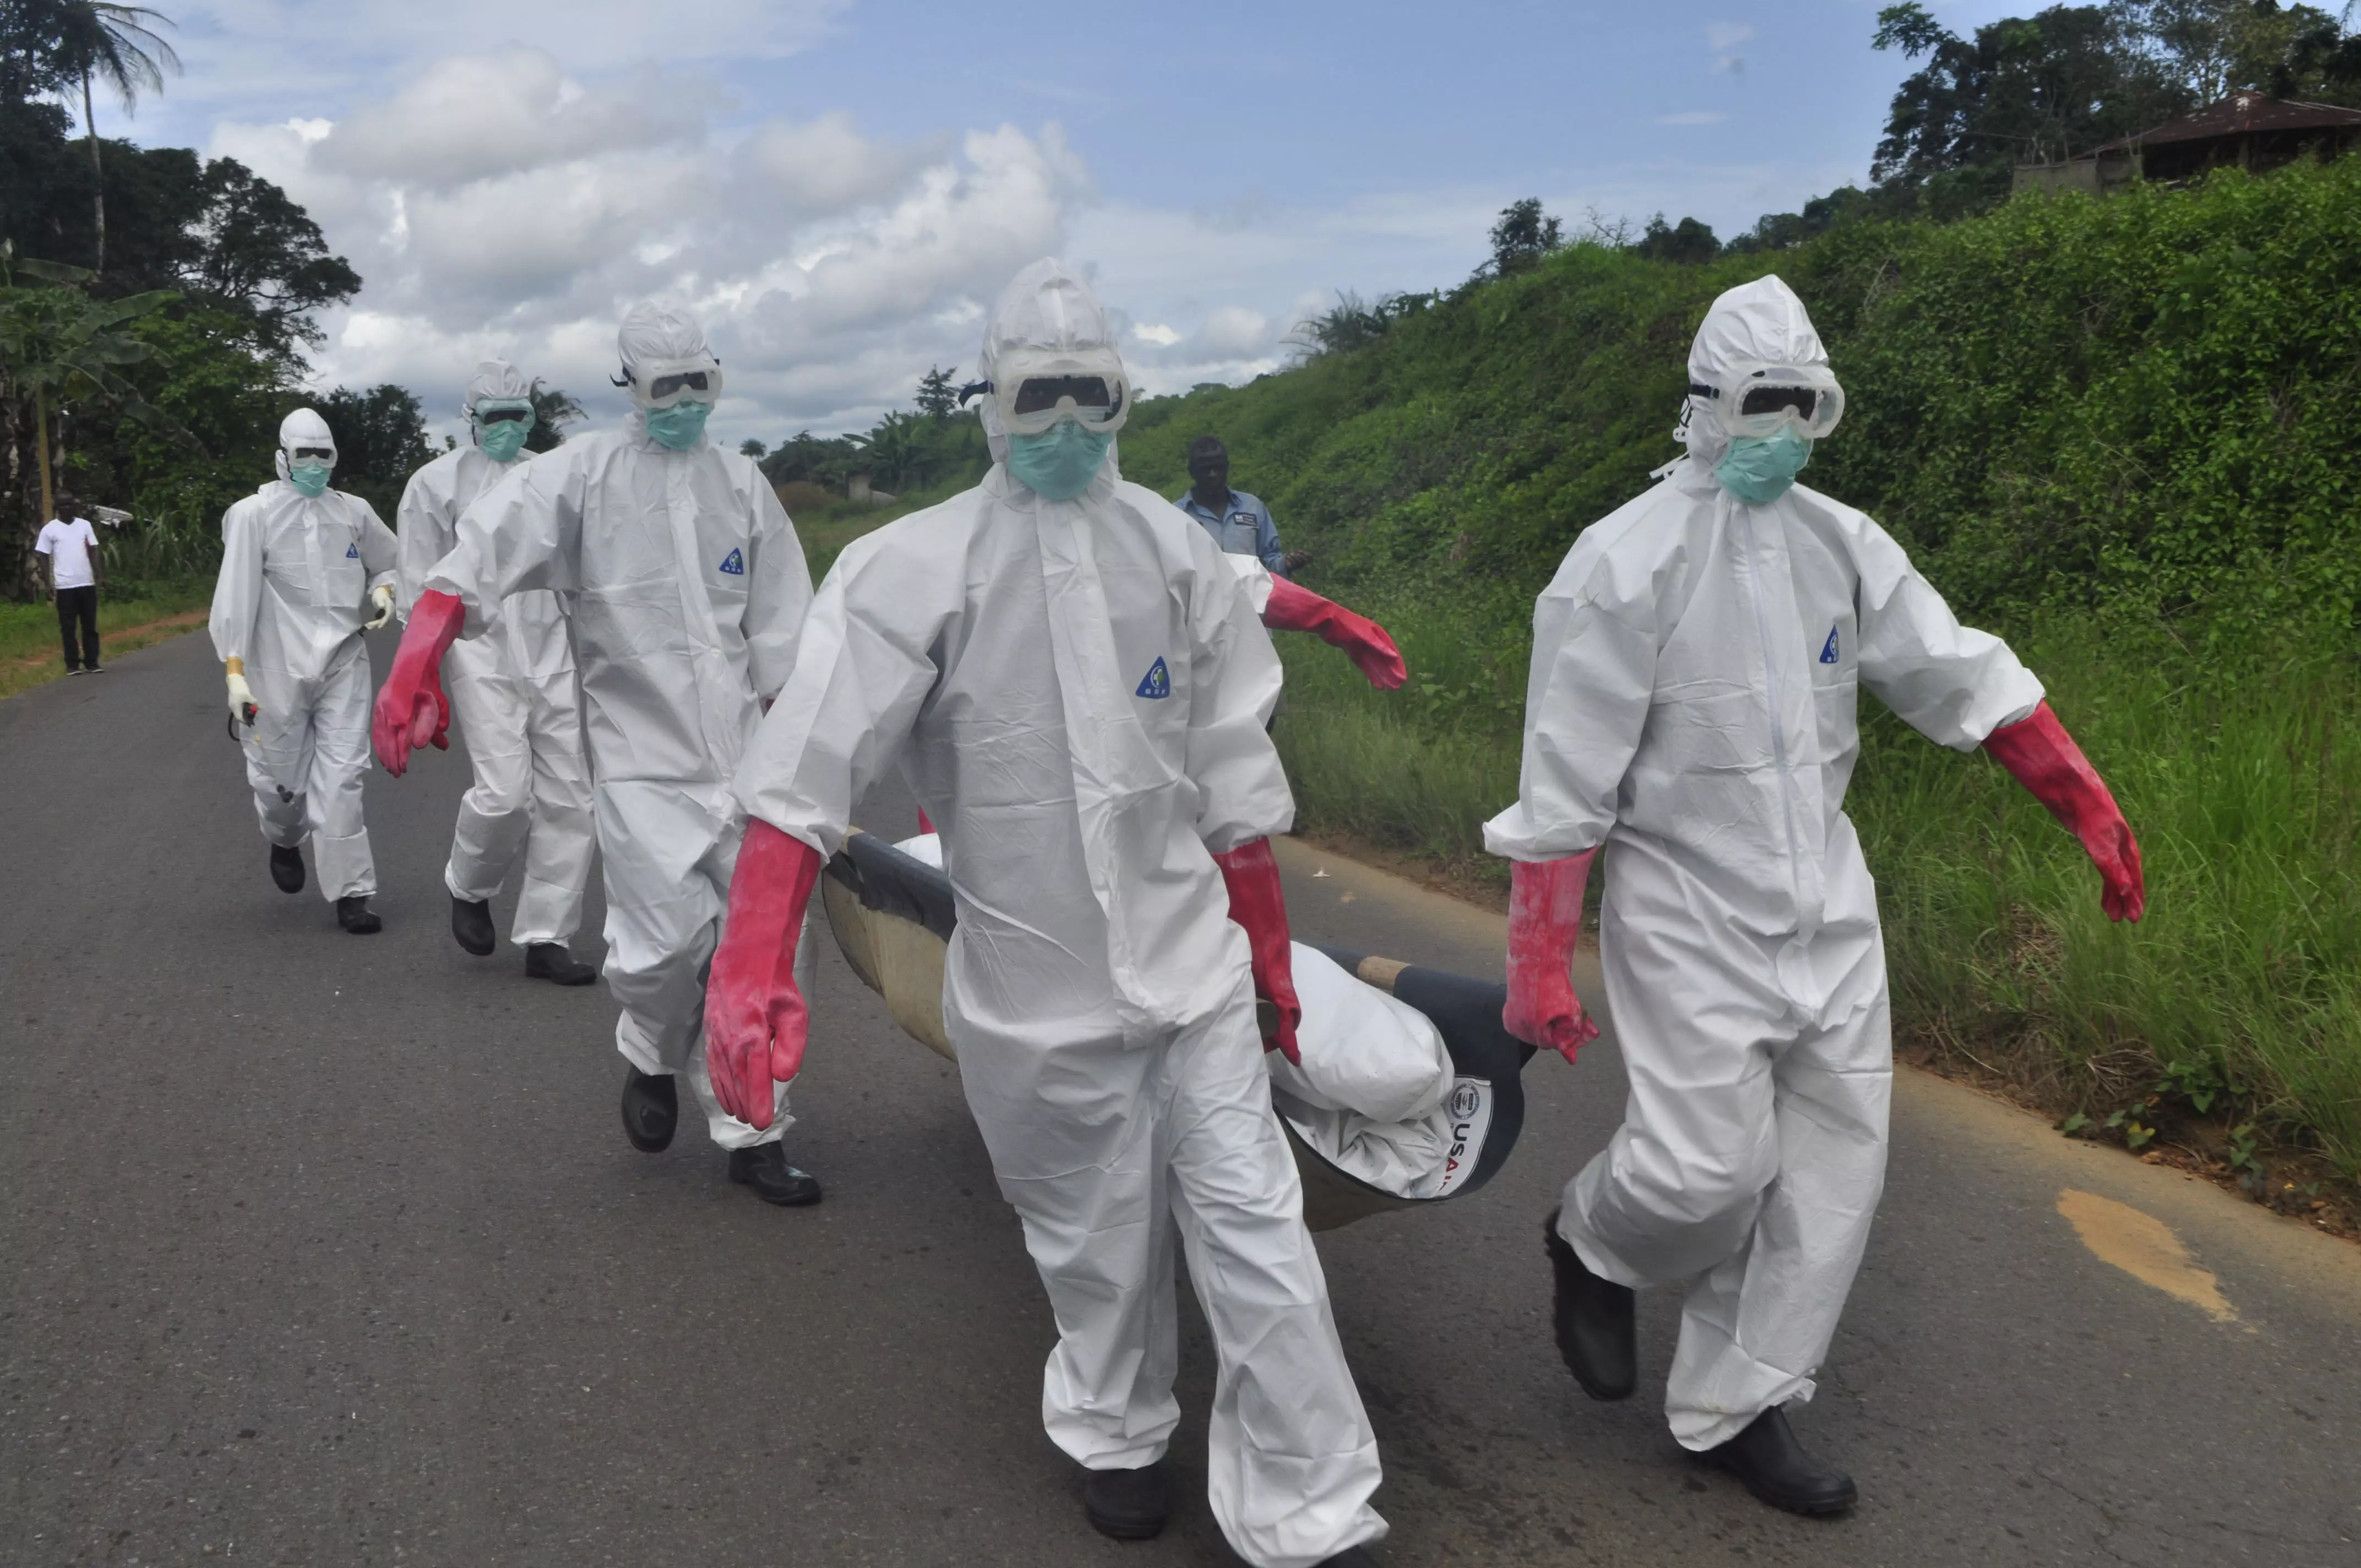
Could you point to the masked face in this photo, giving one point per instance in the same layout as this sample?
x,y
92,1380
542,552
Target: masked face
x,y
500,430
680,426
310,477
1060,462
1758,469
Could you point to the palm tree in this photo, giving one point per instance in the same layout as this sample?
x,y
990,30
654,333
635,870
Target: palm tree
x,y
552,411
119,43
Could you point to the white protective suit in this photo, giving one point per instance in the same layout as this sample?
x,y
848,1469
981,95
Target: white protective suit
x,y
1076,693
514,693
295,573
687,588
1696,665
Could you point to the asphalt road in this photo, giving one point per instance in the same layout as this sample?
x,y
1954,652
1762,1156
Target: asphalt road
x,y
318,1249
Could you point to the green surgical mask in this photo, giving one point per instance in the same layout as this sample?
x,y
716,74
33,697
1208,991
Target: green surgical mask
x,y
680,426
1759,469
502,439
310,479
1061,461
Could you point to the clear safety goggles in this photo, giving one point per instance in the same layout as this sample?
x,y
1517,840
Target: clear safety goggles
x,y
1761,402
668,382
1031,402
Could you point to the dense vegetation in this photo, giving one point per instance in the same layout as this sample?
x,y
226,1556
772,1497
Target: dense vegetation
x,y
2112,430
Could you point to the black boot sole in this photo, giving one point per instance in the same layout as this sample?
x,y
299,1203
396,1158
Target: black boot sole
x,y
647,1143
1563,1262
1127,1526
479,943
1805,1508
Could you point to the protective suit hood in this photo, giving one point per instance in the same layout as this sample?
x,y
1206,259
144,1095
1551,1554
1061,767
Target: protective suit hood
x,y
498,381
304,427
1756,324
1045,321
659,340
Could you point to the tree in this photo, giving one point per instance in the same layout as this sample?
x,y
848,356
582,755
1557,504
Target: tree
x,y
750,447
1522,236
120,44
1689,244
552,411
256,250
938,394
2023,90
59,348
380,442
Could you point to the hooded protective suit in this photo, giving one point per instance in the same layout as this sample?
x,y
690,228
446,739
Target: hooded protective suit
x,y
295,573
687,588
1076,691
514,692
1696,665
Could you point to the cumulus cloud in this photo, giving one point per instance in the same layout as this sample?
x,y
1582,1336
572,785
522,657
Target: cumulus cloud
x,y
495,203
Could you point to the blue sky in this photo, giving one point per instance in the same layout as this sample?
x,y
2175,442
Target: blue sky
x,y
839,186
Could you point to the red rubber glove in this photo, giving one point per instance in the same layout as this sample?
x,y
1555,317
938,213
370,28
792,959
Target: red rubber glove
x,y
1255,903
1544,923
1292,609
412,709
2045,761
755,1020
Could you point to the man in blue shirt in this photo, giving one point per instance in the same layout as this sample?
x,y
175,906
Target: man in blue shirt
x,y
1239,523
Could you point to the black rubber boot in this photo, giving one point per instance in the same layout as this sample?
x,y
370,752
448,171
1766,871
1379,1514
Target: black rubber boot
x,y
1129,1505
651,1110
471,925
1774,1467
1597,1334
356,917
765,1169
552,963
287,868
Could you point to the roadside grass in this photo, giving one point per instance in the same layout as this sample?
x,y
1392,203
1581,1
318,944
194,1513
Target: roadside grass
x,y
31,654
2239,996
826,529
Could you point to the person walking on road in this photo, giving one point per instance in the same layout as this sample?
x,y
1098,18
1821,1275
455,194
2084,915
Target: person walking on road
x,y
514,691
687,588
1696,664
75,577
1239,523
299,561
1074,684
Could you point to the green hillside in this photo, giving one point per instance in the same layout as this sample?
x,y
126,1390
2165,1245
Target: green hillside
x,y
2119,432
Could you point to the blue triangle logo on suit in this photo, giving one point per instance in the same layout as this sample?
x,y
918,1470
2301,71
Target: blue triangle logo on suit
x,y
1157,682
352,551
734,564
1829,653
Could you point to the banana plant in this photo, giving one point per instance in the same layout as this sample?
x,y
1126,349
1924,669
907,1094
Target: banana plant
x,y
59,348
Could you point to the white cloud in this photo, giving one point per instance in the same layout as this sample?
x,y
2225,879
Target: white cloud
x,y
1723,37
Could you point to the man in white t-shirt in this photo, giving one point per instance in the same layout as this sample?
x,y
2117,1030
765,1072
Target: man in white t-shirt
x,y
72,545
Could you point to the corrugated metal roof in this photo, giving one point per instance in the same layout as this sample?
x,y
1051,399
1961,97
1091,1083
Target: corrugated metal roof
x,y
2241,114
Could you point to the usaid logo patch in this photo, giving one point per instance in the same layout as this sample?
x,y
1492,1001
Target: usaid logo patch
x,y
1828,649
1470,1108
1157,682
352,551
733,564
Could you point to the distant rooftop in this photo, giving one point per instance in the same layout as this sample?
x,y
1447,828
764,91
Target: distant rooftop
x,y
2241,114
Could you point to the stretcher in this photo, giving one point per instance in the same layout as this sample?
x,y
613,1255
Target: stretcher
x,y
893,916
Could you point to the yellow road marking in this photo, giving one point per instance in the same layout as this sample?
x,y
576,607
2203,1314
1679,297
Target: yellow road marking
x,y
2143,1247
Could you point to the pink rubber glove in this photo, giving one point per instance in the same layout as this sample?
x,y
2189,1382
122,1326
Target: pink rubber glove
x,y
411,709
1544,923
1292,609
1257,903
755,1020
2045,761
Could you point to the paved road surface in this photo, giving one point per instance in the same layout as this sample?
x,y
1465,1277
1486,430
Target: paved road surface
x,y
319,1249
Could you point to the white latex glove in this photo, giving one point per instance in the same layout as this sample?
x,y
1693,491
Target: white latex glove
x,y
242,705
381,595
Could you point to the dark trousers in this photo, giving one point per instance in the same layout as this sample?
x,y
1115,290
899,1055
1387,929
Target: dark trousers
x,y
79,607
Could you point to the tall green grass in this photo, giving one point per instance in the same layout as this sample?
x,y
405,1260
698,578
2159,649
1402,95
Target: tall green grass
x,y
2241,776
